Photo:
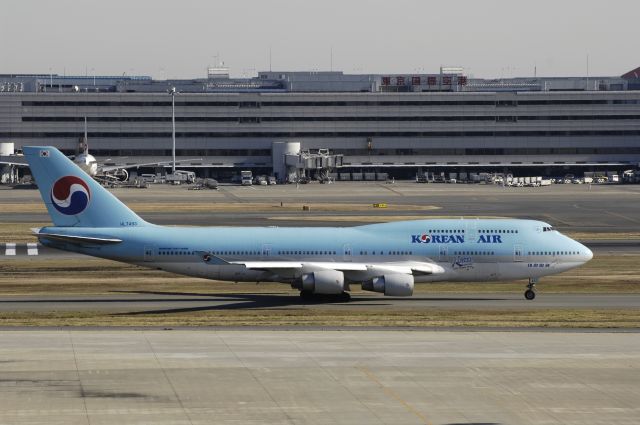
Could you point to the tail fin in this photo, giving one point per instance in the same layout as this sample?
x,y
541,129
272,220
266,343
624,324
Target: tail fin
x,y
72,197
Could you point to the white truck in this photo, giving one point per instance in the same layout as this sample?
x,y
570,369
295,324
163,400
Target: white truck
x,y
180,177
246,178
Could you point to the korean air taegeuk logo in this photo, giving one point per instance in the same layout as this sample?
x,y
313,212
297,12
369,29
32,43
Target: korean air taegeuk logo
x,y
70,195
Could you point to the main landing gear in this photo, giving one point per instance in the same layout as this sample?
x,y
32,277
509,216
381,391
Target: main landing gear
x,y
339,298
530,293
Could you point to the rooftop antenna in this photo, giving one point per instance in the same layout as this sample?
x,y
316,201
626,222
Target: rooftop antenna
x,y
587,88
331,61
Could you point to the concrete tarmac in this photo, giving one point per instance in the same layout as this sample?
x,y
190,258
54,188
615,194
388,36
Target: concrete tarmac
x,y
167,303
599,208
318,377
102,376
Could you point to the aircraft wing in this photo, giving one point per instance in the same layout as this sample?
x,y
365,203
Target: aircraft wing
x,y
275,265
19,164
107,168
400,267
373,269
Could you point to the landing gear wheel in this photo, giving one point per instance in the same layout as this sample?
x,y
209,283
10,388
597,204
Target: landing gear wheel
x,y
344,297
531,288
329,298
306,295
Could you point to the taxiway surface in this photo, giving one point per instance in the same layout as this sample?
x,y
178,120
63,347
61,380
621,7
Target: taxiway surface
x,y
578,208
136,302
318,377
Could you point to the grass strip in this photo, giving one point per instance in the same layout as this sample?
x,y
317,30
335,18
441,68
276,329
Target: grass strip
x,y
596,319
86,275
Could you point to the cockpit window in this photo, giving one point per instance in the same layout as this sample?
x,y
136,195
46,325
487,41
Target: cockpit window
x,y
547,229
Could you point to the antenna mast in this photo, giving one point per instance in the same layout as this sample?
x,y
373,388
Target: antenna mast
x,y
587,88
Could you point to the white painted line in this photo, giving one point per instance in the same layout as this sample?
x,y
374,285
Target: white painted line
x,y
32,249
10,249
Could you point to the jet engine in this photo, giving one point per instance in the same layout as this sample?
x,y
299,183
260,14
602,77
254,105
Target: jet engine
x,y
321,282
395,285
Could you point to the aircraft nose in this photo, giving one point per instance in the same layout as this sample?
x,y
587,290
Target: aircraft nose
x,y
587,254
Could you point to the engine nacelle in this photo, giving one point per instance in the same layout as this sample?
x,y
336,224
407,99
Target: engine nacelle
x,y
394,285
322,282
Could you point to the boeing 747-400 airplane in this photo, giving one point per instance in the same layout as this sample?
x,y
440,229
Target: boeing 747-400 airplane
x,y
388,258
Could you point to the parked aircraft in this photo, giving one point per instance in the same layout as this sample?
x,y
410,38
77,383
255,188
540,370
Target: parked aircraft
x,y
106,174
388,258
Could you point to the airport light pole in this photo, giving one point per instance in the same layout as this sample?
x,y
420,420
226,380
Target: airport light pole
x,y
172,91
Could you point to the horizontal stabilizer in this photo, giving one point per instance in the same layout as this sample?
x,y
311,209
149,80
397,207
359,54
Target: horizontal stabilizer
x,y
81,240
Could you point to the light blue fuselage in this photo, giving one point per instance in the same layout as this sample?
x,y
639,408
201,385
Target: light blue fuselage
x,y
386,258
467,249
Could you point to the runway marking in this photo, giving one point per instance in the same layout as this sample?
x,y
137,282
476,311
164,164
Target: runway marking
x,y
10,249
391,189
393,394
32,249
557,220
167,379
257,380
231,196
78,378
622,216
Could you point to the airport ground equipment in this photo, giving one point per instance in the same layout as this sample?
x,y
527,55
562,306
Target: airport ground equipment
x,y
246,178
318,165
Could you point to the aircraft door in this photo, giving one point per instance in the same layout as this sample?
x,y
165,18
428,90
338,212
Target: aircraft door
x,y
347,252
471,231
149,253
443,253
518,253
266,250
554,258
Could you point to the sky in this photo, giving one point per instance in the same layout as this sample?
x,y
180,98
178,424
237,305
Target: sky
x,y
179,39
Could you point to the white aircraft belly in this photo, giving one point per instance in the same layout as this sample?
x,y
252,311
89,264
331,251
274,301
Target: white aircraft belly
x,y
475,272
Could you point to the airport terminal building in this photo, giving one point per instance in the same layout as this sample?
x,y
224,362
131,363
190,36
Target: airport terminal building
x,y
398,124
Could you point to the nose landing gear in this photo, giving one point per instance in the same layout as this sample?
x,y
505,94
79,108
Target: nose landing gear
x,y
530,293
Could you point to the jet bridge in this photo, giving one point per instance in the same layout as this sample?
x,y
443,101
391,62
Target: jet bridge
x,y
313,164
